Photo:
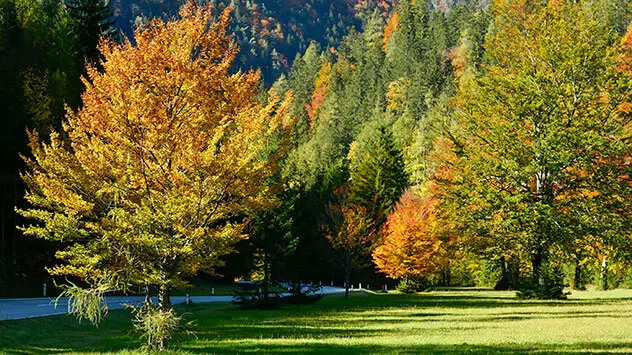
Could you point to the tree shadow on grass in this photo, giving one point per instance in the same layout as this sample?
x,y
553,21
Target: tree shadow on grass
x,y
319,348
519,316
275,331
306,326
456,301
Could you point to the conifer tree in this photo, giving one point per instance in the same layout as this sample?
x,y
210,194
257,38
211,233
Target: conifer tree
x,y
92,20
377,173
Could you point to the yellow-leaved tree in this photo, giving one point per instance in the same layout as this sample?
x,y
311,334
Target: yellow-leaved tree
x,y
412,245
153,178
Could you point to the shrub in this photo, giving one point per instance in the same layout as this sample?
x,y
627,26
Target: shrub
x,y
550,285
156,325
412,285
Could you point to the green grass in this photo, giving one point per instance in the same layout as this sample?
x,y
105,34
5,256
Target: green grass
x,y
442,321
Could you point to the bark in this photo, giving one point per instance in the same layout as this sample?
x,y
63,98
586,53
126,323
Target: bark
x,y
503,283
603,278
577,278
266,277
513,268
164,304
510,274
543,195
537,261
164,299
15,229
347,272
446,276
147,297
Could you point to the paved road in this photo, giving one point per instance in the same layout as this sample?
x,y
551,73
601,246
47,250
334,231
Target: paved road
x,y
19,308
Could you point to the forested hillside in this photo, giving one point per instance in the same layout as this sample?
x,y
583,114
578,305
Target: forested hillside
x,y
270,33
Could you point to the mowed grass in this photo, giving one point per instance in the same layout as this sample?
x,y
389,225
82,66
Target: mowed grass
x,y
442,321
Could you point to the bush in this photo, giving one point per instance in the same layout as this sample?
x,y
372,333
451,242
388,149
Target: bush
x,y
156,325
550,285
627,279
306,294
252,296
412,285
610,279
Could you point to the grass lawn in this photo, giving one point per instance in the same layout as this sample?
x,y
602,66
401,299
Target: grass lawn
x,y
441,321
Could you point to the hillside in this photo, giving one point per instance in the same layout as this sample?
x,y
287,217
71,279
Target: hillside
x,y
270,32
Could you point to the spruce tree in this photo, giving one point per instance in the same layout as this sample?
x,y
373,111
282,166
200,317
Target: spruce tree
x,y
92,19
377,173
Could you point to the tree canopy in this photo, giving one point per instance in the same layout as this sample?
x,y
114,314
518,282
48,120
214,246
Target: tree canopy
x,y
153,178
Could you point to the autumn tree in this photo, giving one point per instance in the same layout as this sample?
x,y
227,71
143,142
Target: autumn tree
x,y
412,244
152,179
540,154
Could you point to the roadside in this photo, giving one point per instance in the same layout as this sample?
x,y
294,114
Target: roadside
x,y
20,308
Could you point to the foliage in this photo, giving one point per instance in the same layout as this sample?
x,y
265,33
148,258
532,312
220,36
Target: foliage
x,y
156,326
90,304
162,164
253,296
377,174
412,245
539,154
412,285
548,285
517,111
91,21
39,74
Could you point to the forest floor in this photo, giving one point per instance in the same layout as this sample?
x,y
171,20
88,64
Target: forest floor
x,y
465,321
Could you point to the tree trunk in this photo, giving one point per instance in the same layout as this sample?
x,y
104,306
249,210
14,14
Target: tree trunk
x,y
504,282
3,231
147,297
513,272
544,195
15,224
266,277
347,272
603,277
164,299
577,278
536,262
164,305
446,276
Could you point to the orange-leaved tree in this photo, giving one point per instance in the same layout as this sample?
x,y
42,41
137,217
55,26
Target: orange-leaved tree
x,y
153,178
412,245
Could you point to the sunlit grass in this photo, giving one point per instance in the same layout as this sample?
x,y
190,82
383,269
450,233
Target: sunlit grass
x,y
442,321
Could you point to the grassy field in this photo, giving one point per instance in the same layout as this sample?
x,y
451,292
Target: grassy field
x,y
442,321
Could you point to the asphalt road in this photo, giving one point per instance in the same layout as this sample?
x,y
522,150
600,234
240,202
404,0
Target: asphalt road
x,y
20,308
